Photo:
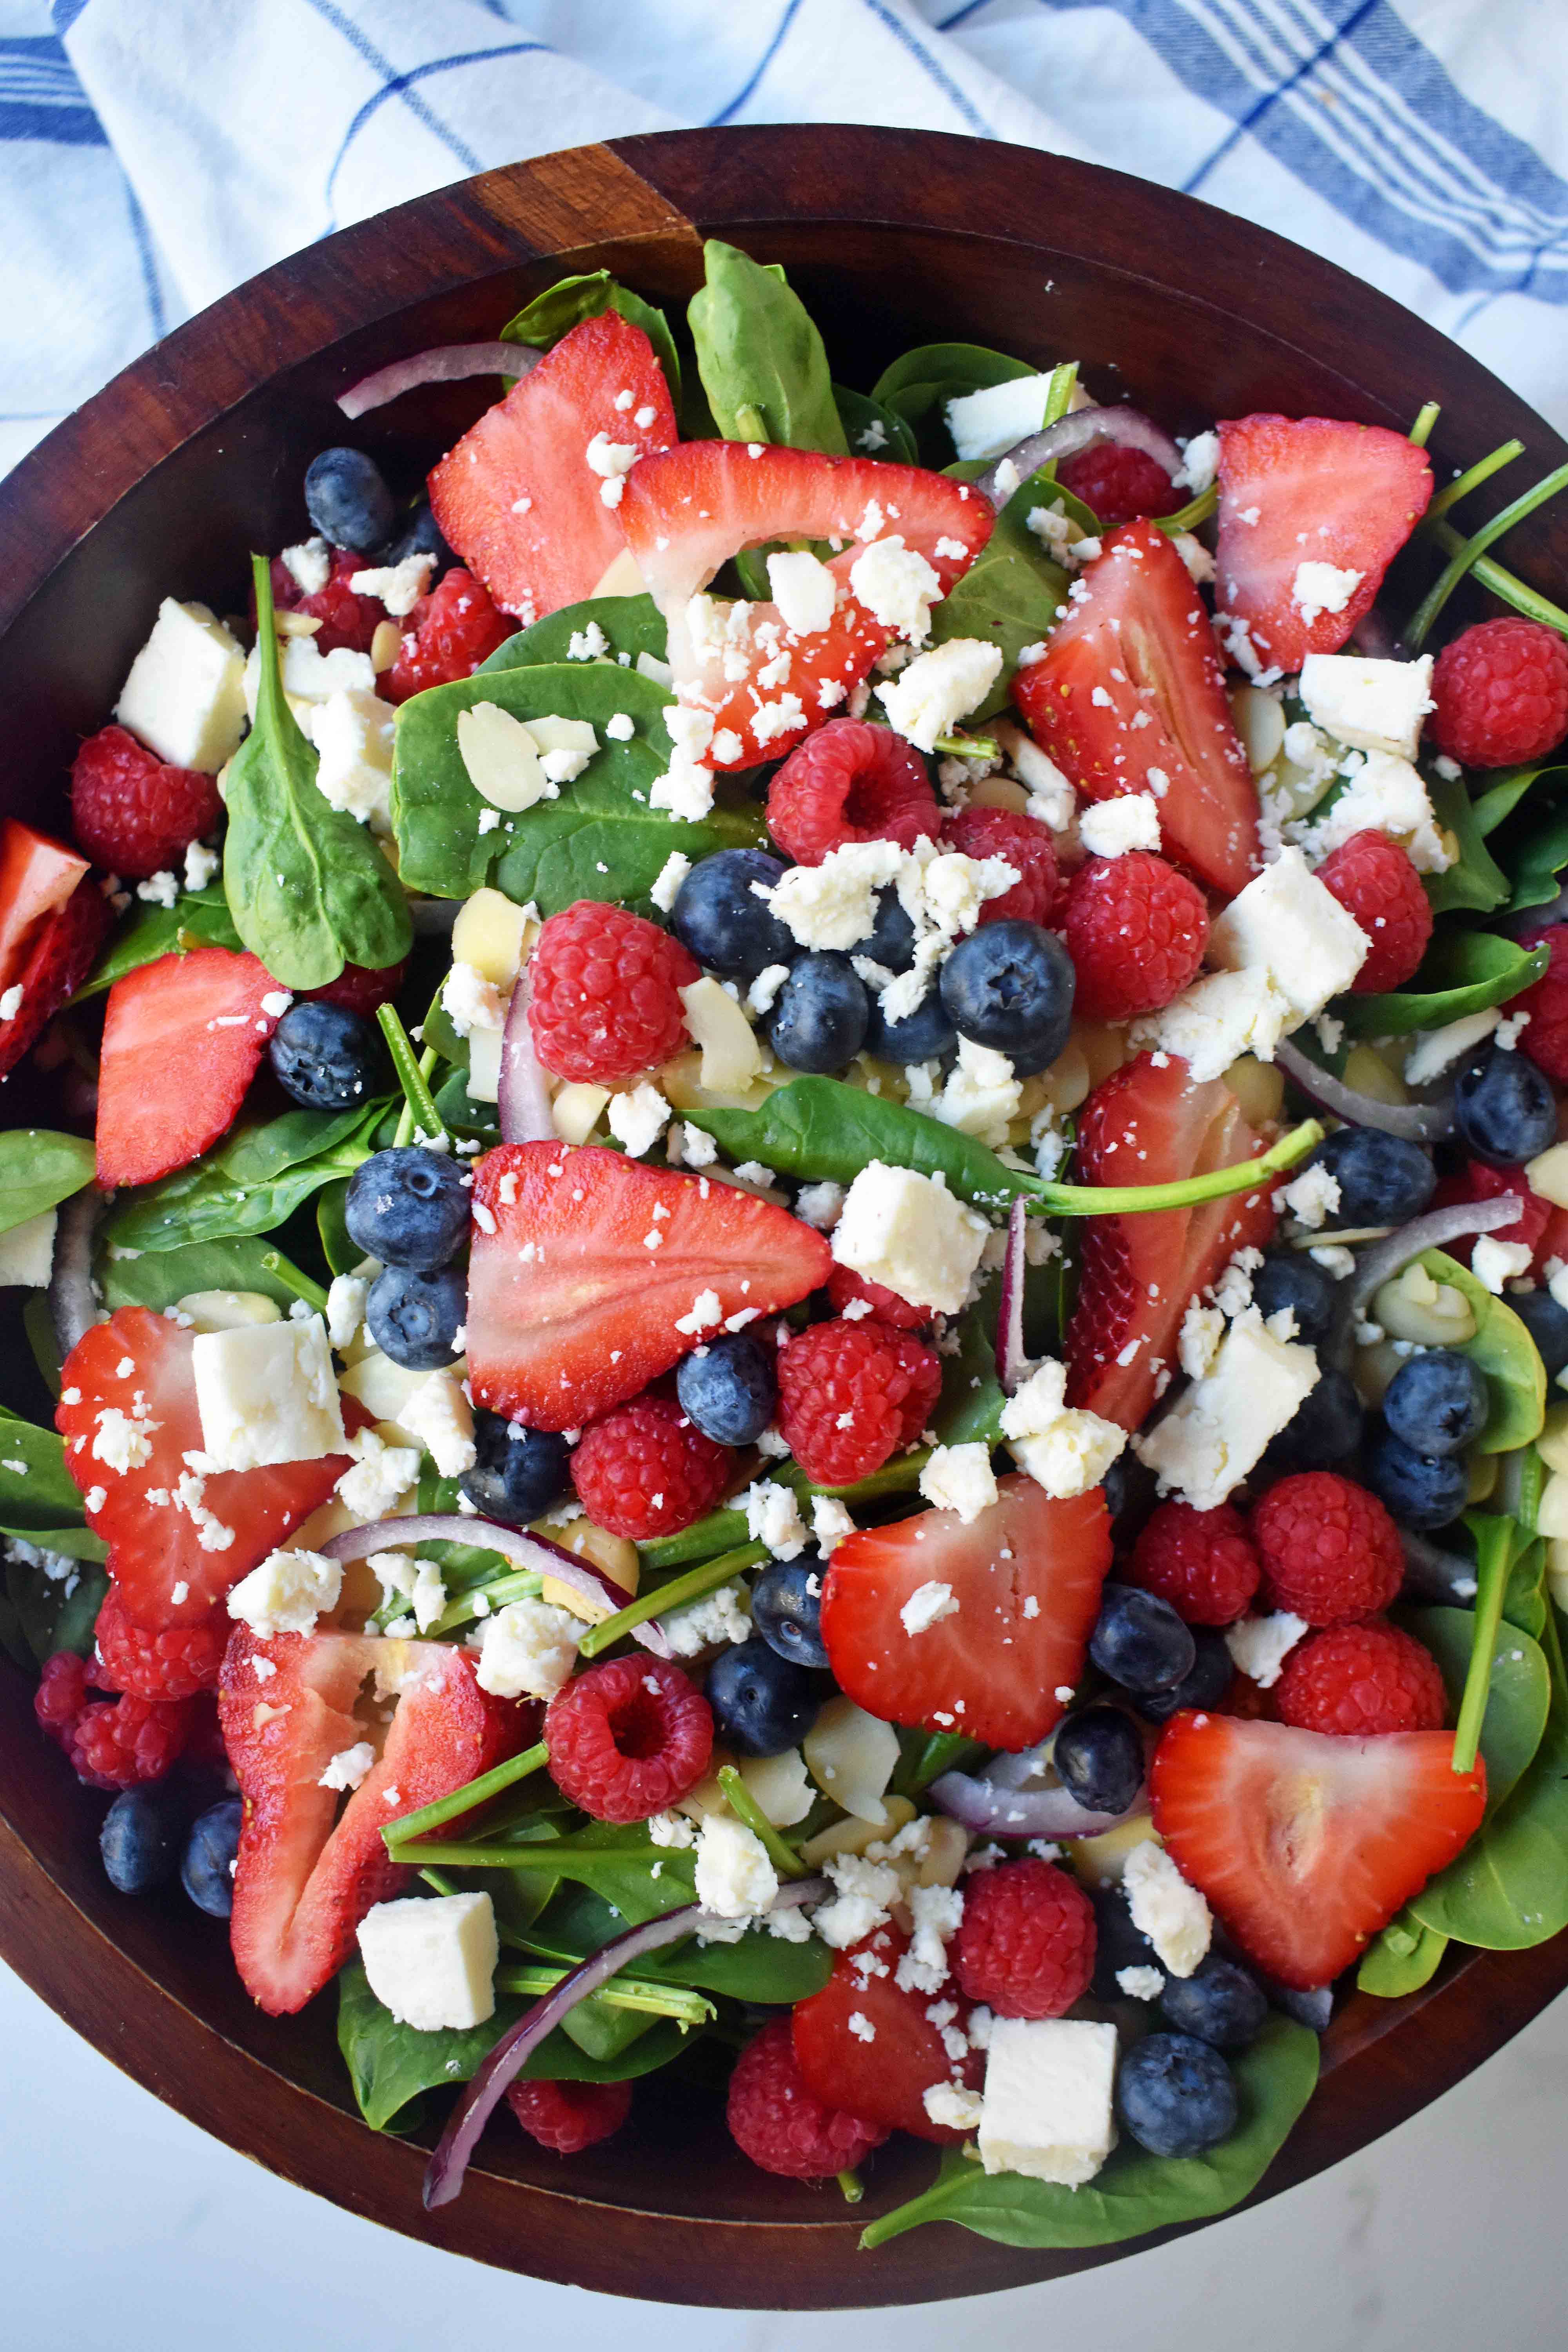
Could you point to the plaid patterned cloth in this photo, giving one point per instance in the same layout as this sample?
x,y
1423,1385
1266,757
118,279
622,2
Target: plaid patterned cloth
x,y
153,152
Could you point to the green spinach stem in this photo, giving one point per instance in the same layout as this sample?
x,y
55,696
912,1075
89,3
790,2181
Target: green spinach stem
x,y
697,1582
1466,554
745,1807
293,1278
1420,432
1471,479
1494,1555
435,1816
419,1106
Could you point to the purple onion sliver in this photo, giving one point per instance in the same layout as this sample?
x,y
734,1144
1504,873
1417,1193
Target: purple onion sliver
x,y
1013,1367
1435,1230
1069,435
530,1551
525,1104
1416,1122
73,1303
448,363
1376,636
1018,1812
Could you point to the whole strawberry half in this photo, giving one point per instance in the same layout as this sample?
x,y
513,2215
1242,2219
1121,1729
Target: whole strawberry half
x,y
183,1038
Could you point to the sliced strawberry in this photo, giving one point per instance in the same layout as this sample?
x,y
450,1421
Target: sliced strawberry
x,y
182,1040
688,511
1131,688
306,1875
884,2078
518,498
1305,1844
1025,1575
62,954
153,1516
1139,1274
586,1263
36,877
1309,489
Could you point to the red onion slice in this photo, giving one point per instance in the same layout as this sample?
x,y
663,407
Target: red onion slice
x,y
1432,1574
525,1106
1435,1230
73,1302
1376,636
1013,1367
1079,431
601,1592
1416,1122
446,364
482,2096
981,1805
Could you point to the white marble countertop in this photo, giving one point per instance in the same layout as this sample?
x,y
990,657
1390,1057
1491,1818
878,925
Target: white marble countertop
x,y
124,2227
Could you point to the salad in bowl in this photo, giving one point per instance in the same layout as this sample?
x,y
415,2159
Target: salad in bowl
x,y
806,1272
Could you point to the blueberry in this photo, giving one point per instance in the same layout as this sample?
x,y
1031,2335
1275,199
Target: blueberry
x,y
420,535
326,1056
1099,1752
141,1839
516,1478
1437,1402
205,1869
1175,2096
1010,986
1139,1640
408,1206
1313,2007
719,917
1213,1670
892,940
821,1013
926,1035
1290,1278
1325,1429
729,1388
348,501
786,1604
762,1702
415,1317
1504,1109
1547,1324
1222,2002
1118,1944
1383,1180
1420,1490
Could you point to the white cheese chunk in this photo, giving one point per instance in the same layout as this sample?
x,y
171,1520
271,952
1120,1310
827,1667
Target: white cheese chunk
x,y
266,1394
639,1118
1373,706
1064,1450
398,586
908,1232
1259,1646
27,1251
1291,927
959,1478
1214,1436
286,1593
803,590
940,687
1318,588
833,905
529,1650
379,1476
185,697
431,1960
1172,1915
897,586
1493,1263
1217,1020
1047,2110
353,733
1110,828
439,1414
1385,794
735,1879
311,675
983,423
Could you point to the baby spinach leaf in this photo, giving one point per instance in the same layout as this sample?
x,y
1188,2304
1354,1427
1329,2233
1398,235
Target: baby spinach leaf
x,y
159,1279
874,430
1533,850
306,887
760,359
55,1611
630,625
969,1408
1464,971
1507,788
819,1129
1517,1693
1400,1959
570,300
617,1864
1475,881
1135,2191
200,919
1516,1378
38,1326
1012,594
255,1180
38,1170
759,1968
38,1499
342,1253
920,384
1525,1602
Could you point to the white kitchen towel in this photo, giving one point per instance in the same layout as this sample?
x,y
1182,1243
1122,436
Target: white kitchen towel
x,y
153,152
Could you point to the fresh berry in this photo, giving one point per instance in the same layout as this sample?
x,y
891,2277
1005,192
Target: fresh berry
x,y
348,501
1420,1490
1500,694
1504,1110
572,1311
1099,1757
450,634
819,1018
311,1865
1135,929
1025,1945
850,783
1383,1179
1437,1402
1264,1821
416,1318
1140,1642
326,1056
1311,491
786,1608
117,1743
1324,1430
61,1695
212,1007
1024,843
1478,1181
1175,2096
37,877
1208,1684
347,619
1221,2002
133,813
1376,883
890,942
357,989
926,1035
141,1839
885,2077
846,1289
1118,483
782,2125
1010,986
1292,1278
605,997
408,1206
647,1470
520,496
208,1863
1025,1580
1545,1038
851,1394
1201,1562
567,2117
63,952
1139,1274
421,535
718,917
1330,1550
1360,1681
1547,1324
762,1702
1118,1944
1130,683
519,1472
144,1665
629,1739
729,1388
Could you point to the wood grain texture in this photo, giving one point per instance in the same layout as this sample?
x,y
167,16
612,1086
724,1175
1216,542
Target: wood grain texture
x,y
160,485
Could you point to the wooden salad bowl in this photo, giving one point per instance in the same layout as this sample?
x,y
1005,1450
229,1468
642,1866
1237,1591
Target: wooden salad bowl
x,y
195,455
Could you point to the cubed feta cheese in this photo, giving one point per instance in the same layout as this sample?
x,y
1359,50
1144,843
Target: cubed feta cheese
x,y
986,423
721,1616
1216,1434
266,1393
730,1055
928,1604
772,1517
639,1118
803,590
940,687
1110,828
379,1476
431,1960
1383,793
735,1879
27,1251
348,1767
345,1308
1220,1017
471,1002
399,586
1373,706
864,1895
354,733
952,2106
909,1233
185,697
1064,1450
286,1593
1047,2110
1259,1646
1172,1915
833,905
529,1650
982,1094
667,884
959,1478
1200,464
897,586
1493,1263
1291,927
1318,588
311,675
439,1414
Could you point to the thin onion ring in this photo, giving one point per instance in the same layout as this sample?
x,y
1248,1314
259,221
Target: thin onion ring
x,y
1068,436
446,363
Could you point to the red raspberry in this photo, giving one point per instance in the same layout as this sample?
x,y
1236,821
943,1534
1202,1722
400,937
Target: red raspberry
x,y
1374,881
61,1695
1118,483
851,1394
1026,1943
570,2116
1201,1562
850,783
647,1470
1329,1552
1477,1181
1136,931
450,633
117,1743
781,2124
1026,843
1545,1039
1361,1680
1500,694
175,1664
359,989
346,619
846,1289
629,1739
604,1000
132,813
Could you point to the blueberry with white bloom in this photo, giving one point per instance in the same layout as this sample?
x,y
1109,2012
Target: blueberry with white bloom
x,y
1383,1180
762,1702
1547,1324
1324,1430
420,535
1175,2096
141,1839
1292,1278
1504,1109
1213,1671
1419,1490
719,917
820,1015
415,1318
1437,1402
729,1388
891,941
1099,1754
207,1869
1009,986
326,1056
409,1207
926,1035
1221,2002
786,1608
348,501
1140,1642
516,1476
